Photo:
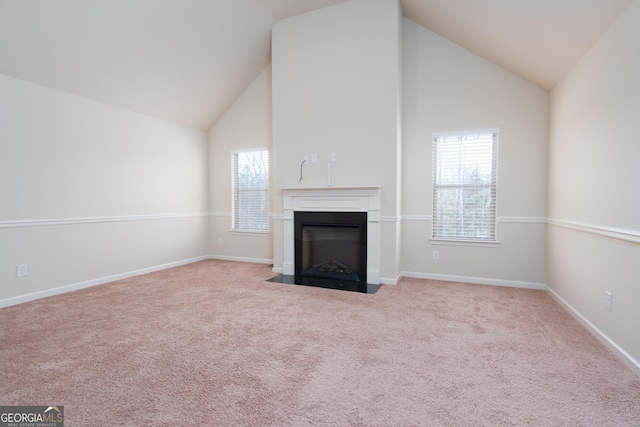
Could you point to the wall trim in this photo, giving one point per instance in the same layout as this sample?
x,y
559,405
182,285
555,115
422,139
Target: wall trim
x,y
96,220
598,230
475,280
6,302
618,351
470,243
390,219
614,233
522,219
503,219
390,281
229,214
417,217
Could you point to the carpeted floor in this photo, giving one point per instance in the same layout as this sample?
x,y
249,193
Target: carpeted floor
x,y
213,343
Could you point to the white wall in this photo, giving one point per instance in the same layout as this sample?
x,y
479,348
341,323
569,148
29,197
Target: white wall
x,y
247,124
594,239
119,192
448,88
336,87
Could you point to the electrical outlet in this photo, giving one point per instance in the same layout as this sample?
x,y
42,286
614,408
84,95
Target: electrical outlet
x,y
314,158
436,255
21,270
305,159
333,156
608,300
219,240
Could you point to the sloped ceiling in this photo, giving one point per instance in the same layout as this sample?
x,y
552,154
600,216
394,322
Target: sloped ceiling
x,y
539,40
186,61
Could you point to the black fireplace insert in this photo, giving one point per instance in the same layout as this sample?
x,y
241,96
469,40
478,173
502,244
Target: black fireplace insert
x,y
331,245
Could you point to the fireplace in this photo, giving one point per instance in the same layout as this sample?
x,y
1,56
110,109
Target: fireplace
x,y
331,245
364,201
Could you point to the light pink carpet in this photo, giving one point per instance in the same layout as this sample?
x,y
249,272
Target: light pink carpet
x,y
213,343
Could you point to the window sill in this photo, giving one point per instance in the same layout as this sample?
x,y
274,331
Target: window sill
x,y
476,243
265,233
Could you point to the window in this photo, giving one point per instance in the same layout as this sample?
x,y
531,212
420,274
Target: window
x,y
465,167
250,190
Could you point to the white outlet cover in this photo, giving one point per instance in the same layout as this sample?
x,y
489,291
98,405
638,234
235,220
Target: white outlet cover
x,y
21,270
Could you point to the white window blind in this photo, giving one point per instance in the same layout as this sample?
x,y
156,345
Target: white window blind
x,y
250,190
465,168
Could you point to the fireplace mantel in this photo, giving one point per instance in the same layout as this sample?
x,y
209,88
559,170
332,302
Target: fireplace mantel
x,y
333,199
331,190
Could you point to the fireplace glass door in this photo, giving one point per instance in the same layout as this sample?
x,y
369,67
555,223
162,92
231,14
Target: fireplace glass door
x,y
331,245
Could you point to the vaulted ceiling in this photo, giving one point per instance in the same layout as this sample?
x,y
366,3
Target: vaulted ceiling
x,y
186,61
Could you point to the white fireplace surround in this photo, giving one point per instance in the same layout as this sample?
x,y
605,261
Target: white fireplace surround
x,y
333,199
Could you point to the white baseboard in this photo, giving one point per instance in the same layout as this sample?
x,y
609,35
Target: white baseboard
x,y
620,353
390,281
241,259
94,282
475,280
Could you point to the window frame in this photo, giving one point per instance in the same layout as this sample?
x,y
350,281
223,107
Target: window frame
x,y
234,191
490,241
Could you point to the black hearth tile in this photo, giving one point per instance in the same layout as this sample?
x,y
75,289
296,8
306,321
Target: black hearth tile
x,y
343,285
